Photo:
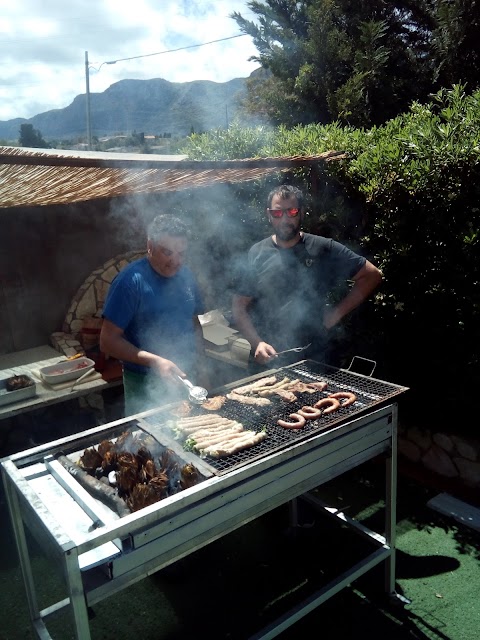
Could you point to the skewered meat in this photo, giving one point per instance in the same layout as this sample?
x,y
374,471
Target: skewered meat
x,y
288,396
321,385
214,404
271,387
228,448
254,385
248,399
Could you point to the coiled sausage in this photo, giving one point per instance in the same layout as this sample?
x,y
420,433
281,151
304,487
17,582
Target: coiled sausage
x,y
348,395
297,423
331,404
310,413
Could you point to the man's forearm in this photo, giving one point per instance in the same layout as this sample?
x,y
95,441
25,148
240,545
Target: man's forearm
x,y
120,348
364,285
245,325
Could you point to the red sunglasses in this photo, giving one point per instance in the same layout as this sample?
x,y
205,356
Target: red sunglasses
x,y
278,213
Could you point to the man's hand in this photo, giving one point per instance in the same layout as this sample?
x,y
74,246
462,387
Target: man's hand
x,y
166,369
330,318
264,352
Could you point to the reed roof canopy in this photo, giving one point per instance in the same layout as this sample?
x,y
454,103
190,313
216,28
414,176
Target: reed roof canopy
x,y
42,177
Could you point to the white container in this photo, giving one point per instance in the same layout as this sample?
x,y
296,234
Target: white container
x,y
6,397
65,371
240,349
217,336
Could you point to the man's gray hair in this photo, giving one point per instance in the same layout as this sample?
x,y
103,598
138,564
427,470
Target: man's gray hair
x,y
166,224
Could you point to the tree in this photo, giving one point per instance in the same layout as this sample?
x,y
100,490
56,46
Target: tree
x,y
456,43
360,63
30,137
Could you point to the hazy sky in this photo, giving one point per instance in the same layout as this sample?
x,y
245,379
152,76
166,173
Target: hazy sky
x,y
43,45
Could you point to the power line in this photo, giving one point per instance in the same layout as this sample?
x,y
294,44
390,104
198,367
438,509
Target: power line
x,y
191,46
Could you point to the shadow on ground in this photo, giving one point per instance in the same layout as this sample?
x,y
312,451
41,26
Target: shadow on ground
x,y
237,585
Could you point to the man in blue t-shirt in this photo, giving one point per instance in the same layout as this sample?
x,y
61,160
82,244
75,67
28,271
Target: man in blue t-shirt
x,y
289,280
151,319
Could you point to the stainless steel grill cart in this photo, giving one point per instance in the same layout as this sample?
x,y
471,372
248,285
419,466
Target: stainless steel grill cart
x,y
102,552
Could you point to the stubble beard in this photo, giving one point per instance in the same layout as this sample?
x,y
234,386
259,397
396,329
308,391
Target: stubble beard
x,y
287,232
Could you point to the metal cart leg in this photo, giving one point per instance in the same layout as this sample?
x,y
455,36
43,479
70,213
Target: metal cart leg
x,y
293,512
22,548
391,517
390,508
77,596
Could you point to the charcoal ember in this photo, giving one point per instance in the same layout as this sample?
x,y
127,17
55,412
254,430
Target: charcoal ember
x,y
90,460
142,495
105,447
127,472
189,476
144,472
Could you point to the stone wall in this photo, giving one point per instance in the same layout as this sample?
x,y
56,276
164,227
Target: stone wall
x,y
452,456
87,305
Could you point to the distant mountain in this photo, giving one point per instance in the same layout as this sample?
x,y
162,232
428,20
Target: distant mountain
x,y
149,106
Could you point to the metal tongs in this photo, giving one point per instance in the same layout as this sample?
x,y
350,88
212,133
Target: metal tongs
x,y
197,395
295,350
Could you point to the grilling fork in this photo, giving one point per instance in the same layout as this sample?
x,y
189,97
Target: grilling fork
x,y
295,350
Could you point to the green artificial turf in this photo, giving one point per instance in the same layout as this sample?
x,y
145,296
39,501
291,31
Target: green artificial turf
x,y
236,585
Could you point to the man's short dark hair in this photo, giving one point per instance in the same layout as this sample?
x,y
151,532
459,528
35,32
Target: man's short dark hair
x,y
286,191
166,224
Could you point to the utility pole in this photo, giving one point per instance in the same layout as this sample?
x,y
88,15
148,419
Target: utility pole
x,y
87,84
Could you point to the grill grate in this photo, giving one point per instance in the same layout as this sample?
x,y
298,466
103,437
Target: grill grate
x,y
369,392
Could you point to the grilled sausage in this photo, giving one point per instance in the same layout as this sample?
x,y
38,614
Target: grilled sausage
x,y
348,395
331,404
298,422
310,413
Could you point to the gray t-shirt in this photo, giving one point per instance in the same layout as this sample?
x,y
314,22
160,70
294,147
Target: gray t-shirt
x,y
290,288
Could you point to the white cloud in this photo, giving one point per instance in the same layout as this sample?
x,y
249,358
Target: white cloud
x,y
43,44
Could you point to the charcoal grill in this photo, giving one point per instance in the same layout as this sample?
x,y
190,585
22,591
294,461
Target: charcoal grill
x,y
370,392
102,553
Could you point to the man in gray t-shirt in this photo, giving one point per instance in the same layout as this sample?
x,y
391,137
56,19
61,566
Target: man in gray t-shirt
x,y
281,300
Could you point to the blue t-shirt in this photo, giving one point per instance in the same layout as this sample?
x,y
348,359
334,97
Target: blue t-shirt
x,y
156,313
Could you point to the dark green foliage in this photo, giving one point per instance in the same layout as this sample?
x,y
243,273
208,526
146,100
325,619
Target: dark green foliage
x,y
408,197
356,62
359,63
30,137
456,42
